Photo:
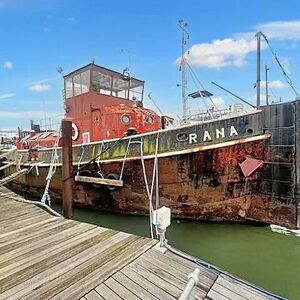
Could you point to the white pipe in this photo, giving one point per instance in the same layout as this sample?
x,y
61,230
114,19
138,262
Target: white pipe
x,y
193,279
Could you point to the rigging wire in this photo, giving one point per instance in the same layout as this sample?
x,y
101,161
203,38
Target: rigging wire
x,y
207,108
202,86
287,77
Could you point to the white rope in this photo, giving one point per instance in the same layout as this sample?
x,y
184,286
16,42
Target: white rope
x,y
124,159
81,156
149,193
157,202
12,195
154,177
52,170
99,155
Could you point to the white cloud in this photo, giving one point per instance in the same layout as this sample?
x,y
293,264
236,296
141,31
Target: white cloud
x,y
220,53
254,97
280,30
275,84
6,96
233,52
8,65
40,87
219,102
27,114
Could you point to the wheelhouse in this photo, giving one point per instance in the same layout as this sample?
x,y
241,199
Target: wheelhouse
x,y
96,79
104,104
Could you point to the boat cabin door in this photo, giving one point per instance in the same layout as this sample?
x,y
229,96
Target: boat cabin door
x,y
96,125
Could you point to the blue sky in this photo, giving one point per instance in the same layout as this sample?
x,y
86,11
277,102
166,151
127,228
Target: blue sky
x,y
37,36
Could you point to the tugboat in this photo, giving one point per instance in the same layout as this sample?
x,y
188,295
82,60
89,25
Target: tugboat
x,y
227,165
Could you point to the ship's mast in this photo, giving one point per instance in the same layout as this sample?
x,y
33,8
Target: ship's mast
x,y
184,40
267,92
258,36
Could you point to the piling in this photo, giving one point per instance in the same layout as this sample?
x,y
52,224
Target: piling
x,y
67,169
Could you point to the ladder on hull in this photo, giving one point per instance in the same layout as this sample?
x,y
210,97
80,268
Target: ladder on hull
x,y
13,176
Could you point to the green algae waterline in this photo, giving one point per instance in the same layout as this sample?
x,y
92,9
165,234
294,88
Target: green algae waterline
x,y
268,259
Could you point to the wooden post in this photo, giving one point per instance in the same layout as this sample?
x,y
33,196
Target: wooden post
x,y
67,169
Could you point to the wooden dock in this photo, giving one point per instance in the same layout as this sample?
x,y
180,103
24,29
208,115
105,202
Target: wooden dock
x,y
47,257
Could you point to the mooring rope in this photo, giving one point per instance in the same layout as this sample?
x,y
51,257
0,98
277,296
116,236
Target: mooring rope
x,y
150,189
19,199
52,169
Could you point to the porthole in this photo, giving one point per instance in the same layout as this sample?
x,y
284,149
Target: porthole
x,y
126,119
150,119
182,137
250,130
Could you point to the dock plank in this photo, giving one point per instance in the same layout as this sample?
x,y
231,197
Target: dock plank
x,y
44,281
18,272
214,295
46,243
122,291
226,292
239,288
46,257
174,276
147,285
93,295
104,271
177,269
107,293
135,288
19,240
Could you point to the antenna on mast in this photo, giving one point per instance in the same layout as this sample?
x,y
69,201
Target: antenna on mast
x,y
185,37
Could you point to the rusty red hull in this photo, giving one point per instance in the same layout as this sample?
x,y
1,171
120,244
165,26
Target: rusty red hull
x,y
206,185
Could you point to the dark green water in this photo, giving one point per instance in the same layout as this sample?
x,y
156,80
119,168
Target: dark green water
x,y
254,253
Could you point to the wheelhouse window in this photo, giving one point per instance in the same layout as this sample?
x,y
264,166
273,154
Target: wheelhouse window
x,y
77,84
118,85
69,87
101,83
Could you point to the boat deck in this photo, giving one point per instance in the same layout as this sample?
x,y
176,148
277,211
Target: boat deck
x,y
47,257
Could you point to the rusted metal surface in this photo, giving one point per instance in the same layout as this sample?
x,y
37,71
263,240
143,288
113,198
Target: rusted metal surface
x,y
67,169
240,167
280,174
206,185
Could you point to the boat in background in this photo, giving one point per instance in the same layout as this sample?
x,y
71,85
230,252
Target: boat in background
x,y
229,165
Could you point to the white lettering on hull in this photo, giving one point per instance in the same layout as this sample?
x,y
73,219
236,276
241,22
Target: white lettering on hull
x,y
220,132
192,138
207,136
233,131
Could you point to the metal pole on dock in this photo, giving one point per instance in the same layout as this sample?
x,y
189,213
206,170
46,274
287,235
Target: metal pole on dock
x,y
67,169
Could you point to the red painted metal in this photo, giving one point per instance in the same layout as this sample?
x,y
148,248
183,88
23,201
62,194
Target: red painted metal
x,y
100,115
249,165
